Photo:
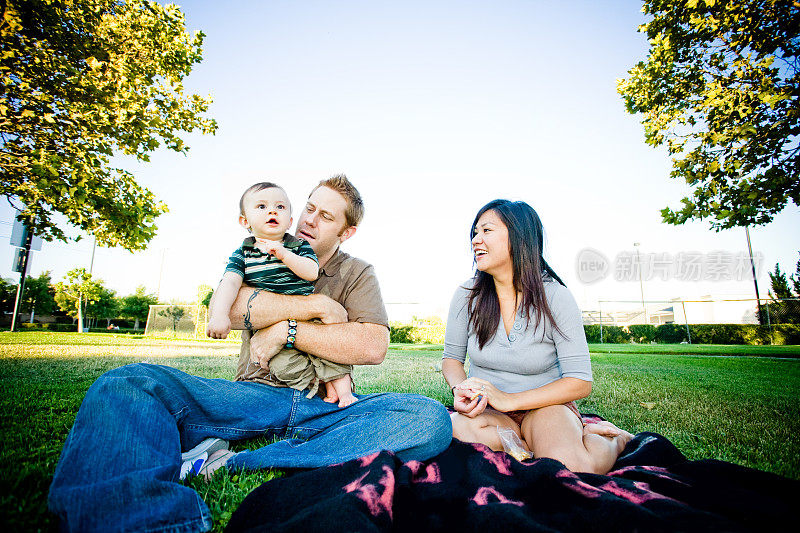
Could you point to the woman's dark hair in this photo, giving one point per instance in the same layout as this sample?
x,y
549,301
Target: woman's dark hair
x,y
526,243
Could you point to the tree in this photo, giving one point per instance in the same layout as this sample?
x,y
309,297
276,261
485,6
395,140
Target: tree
x,y
105,306
780,285
174,313
785,306
39,295
721,87
77,286
82,81
137,305
8,295
204,294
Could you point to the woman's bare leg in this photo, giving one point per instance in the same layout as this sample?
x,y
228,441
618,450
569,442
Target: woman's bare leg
x,y
483,428
556,432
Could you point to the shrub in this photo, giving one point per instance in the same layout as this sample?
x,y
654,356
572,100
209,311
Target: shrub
x,y
610,334
642,333
671,333
592,333
400,333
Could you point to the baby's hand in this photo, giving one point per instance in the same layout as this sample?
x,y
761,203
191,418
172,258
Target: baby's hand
x,y
271,247
218,327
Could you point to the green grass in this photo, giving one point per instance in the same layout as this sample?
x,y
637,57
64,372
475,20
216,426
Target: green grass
x,y
698,349
739,409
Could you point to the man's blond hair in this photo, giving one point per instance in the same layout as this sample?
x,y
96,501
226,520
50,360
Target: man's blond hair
x,y
355,205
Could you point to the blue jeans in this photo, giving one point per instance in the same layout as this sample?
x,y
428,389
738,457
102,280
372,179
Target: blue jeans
x,y
120,463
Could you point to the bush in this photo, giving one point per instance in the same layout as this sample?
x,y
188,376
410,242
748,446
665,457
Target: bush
x,y
671,333
610,334
592,333
400,333
642,333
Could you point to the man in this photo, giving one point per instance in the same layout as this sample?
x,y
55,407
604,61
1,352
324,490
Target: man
x,y
120,464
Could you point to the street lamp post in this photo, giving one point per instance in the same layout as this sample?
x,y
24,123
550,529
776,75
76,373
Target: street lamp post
x,y
641,284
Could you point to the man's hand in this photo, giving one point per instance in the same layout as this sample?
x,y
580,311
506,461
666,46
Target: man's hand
x,y
330,311
266,343
218,327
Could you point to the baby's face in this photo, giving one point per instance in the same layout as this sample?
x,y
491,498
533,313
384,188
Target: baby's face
x,y
267,213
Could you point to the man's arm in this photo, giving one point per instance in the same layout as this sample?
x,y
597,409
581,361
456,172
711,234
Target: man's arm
x,y
257,309
351,343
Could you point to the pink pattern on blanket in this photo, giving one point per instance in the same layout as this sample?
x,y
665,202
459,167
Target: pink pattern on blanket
x,y
660,471
482,497
573,482
367,459
431,473
643,493
498,459
377,502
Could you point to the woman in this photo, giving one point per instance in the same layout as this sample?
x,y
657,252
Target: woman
x,y
529,360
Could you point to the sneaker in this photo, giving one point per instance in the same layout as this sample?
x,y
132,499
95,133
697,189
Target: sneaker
x,y
214,462
193,460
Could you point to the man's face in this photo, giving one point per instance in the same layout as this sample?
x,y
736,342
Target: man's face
x,y
322,223
267,213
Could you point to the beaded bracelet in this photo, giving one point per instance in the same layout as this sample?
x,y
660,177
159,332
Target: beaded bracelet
x,y
290,336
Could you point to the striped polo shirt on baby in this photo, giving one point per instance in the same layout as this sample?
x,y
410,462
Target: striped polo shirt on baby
x,y
265,271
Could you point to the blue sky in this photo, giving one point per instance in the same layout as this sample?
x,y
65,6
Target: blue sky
x,y
432,109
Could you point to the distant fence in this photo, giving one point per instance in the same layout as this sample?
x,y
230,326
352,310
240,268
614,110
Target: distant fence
x,y
773,321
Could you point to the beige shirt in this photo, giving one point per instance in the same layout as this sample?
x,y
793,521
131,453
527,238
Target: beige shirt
x,y
346,279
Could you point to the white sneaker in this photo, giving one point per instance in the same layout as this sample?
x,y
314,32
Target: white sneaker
x,y
194,459
214,462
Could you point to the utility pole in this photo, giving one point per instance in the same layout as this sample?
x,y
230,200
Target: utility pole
x,y
641,285
23,256
755,281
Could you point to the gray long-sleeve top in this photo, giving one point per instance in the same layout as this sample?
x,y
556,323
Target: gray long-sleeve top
x,y
529,356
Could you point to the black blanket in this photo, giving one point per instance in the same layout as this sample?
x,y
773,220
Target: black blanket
x,y
471,488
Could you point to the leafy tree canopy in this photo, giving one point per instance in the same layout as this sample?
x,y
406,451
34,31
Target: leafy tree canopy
x,y
721,88
77,286
137,305
81,81
105,306
39,294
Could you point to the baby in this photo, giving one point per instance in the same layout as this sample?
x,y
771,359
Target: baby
x,y
275,261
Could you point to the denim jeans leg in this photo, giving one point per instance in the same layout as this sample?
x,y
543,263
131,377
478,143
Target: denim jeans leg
x,y
320,434
120,463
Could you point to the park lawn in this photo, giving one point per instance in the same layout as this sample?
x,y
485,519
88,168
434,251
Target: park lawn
x,y
699,349
736,409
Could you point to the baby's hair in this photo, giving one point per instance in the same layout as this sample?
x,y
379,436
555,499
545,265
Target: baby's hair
x,y
260,186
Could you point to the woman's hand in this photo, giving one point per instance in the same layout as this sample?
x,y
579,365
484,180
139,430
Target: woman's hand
x,y
497,399
468,402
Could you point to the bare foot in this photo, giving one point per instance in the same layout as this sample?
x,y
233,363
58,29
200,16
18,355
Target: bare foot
x,y
330,393
343,387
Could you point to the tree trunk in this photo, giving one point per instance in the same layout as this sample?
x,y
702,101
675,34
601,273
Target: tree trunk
x,y
136,326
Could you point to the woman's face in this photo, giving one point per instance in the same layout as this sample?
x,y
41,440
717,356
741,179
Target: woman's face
x,y
490,244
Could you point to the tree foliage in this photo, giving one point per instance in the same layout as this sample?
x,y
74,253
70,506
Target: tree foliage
x,y
78,286
8,295
721,88
81,81
175,314
39,295
106,305
136,306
